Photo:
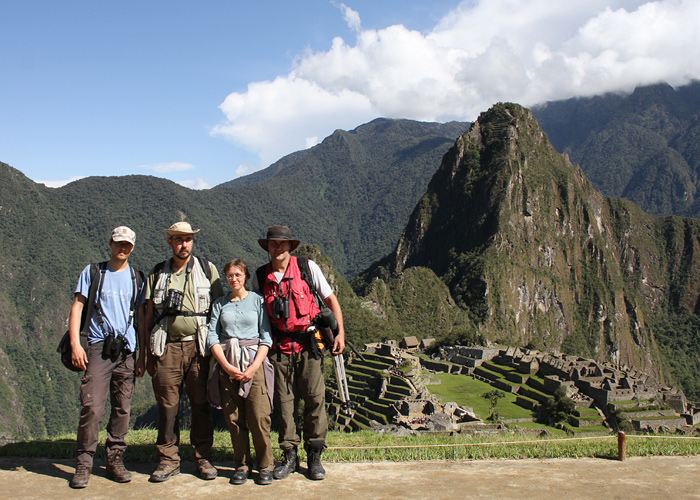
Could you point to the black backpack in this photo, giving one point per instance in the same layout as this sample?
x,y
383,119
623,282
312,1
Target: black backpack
x,y
64,348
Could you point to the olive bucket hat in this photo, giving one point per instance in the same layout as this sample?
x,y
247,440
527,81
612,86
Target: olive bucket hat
x,y
278,233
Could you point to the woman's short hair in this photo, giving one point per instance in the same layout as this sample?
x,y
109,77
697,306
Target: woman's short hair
x,y
239,264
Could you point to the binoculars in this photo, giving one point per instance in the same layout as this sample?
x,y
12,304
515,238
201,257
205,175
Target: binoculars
x,y
280,307
113,346
173,301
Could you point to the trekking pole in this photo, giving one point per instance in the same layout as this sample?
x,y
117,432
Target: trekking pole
x,y
343,390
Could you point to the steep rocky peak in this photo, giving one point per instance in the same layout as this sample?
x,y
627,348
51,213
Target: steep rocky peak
x,y
502,175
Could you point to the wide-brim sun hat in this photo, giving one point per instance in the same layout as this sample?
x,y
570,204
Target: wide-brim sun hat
x,y
180,228
278,233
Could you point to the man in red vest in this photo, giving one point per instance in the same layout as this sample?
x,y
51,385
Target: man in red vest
x,y
293,312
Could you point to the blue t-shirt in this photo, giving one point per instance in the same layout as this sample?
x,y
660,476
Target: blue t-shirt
x,y
115,303
242,319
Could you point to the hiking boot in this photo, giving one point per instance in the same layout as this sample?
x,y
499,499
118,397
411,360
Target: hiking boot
x,y
240,476
288,465
115,467
313,464
81,476
264,477
205,470
164,472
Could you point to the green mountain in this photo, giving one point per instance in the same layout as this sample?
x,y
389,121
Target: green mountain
x,y
506,241
644,146
350,195
537,256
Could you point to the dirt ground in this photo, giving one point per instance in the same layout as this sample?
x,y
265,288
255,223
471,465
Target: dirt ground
x,y
668,478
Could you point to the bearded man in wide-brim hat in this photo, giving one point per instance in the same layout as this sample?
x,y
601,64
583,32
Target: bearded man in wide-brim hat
x,y
179,294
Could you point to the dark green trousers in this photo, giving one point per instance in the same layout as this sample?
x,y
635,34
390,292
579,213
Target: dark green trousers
x,y
299,377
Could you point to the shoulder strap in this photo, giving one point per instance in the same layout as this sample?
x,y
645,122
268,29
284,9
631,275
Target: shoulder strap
x,y
305,271
157,270
262,277
205,266
93,295
140,278
137,280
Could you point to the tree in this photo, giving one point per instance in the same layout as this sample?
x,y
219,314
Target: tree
x,y
494,396
557,408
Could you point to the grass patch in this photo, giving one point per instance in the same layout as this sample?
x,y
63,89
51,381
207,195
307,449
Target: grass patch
x,y
467,391
370,446
590,429
554,432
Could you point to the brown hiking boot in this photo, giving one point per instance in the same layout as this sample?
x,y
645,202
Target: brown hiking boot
x,y
164,472
205,470
115,467
81,476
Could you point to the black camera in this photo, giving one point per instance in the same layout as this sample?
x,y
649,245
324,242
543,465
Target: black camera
x,y
327,319
280,307
113,346
173,301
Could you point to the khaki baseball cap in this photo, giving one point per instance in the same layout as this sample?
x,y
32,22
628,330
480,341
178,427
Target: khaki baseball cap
x,y
123,233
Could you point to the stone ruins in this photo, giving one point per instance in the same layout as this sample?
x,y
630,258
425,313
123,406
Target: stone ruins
x,y
390,386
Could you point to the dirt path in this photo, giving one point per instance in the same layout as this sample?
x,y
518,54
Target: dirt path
x,y
667,478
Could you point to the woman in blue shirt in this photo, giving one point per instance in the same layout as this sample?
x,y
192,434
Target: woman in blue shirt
x,y
239,339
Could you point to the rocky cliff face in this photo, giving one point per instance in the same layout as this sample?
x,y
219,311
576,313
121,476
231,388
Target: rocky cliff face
x,y
538,256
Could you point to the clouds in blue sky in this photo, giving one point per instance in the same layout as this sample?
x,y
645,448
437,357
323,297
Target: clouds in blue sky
x,y
485,51
203,92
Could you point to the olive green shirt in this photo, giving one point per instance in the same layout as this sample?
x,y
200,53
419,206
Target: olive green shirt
x,y
183,326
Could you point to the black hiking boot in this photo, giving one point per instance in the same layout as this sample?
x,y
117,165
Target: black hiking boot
x,y
288,465
313,464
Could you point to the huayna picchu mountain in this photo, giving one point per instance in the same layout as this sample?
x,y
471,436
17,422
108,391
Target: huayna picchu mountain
x,y
537,256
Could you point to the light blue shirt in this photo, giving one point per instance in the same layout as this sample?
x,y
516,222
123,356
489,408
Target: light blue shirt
x,y
241,319
115,303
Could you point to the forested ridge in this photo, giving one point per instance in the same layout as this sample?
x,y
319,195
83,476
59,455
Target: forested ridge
x,y
440,236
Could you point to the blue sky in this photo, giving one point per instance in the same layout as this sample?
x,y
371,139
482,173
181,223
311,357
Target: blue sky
x,y
203,92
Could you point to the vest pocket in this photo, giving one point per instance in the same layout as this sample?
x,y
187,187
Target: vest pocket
x,y
158,295
301,303
202,299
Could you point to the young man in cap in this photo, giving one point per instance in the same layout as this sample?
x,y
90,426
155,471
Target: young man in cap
x,y
292,309
109,360
179,294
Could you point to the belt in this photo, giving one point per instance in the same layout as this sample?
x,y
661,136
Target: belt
x,y
189,338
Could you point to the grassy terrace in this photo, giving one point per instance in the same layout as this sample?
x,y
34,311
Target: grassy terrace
x,y
370,446
467,391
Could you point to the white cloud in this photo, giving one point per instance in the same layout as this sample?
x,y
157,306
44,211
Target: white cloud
x,y
352,17
164,168
311,141
526,51
196,183
58,184
274,118
246,168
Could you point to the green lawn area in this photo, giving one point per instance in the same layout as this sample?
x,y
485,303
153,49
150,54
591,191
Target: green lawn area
x,y
536,425
466,391
600,429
